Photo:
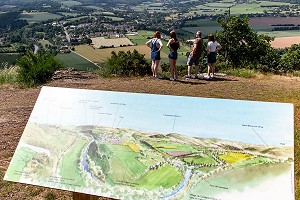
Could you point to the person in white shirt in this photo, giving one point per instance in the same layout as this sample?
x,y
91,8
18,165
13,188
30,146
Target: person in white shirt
x,y
212,48
155,44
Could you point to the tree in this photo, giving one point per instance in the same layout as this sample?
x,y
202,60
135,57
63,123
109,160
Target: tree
x,y
241,45
35,69
127,64
291,59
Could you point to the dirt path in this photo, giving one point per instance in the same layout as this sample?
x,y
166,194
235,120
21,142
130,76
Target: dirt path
x,y
16,105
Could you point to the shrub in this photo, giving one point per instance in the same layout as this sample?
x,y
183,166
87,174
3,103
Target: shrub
x,y
165,67
36,69
126,64
291,59
49,196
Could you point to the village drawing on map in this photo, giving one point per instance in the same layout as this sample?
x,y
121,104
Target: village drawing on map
x,y
114,152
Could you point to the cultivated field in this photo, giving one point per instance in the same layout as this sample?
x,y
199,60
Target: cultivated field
x,y
261,25
283,42
9,58
101,42
101,55
268,21
153,179
72,60
236,8
39,16
71,3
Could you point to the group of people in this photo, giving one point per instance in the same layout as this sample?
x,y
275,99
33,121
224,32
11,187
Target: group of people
x,y
193,58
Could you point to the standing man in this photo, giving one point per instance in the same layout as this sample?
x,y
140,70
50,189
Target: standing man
x,y
195,55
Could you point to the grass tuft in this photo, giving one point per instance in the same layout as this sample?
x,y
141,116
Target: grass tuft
x,y
49,196
245,73
8,74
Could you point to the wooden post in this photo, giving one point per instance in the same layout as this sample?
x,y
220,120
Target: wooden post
x,y
80,196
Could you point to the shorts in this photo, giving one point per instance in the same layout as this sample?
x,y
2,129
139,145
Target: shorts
x,y
212,57
155,55
173,55
192,59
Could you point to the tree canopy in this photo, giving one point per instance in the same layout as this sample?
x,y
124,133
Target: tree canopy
x,y
241,44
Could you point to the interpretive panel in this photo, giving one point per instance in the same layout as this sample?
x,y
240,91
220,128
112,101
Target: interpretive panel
x,y
146,146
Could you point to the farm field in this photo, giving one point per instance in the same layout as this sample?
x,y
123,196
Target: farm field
x,y
116,19
100,42
70,161
207,169
200,159
124,164
261,25
76,18
233,158
252,161
248,9
71,3
154,179
283,42
268,21
94,7
9,58
100,55
279,34
236,8
72,60
152,7
38,16
67,14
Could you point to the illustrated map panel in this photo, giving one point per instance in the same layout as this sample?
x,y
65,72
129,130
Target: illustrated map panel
x,y
145,146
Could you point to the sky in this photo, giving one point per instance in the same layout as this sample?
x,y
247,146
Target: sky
x,y
251,122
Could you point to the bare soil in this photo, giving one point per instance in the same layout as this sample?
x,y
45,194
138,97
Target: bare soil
x,y
16,105
268,21
283,42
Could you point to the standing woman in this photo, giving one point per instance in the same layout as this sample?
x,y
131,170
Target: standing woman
x,y
212,48
173,45
155,44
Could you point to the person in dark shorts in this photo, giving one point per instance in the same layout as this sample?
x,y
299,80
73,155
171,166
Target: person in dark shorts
x,y
155,44
212,48
173,45
195,55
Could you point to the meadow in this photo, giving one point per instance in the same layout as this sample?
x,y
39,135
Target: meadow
x,y
101,55
99,42
200,159
9,58
71,161
154,179
222,7
263,25
38,16
71,3
72,60
233,158
152,7
124,165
